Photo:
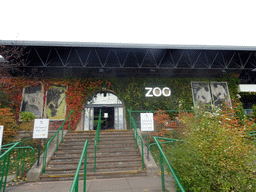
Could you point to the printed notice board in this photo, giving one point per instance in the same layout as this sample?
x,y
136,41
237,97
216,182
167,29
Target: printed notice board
x,y
1,135
41,127
147,121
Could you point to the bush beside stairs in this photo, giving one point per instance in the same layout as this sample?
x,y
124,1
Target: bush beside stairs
x,y
117,156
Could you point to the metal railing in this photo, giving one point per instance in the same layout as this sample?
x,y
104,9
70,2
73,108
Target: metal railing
x,y
5,157
74,185
21,158
137,117
163,158
97,139
252,133
6,161
57,142
136,136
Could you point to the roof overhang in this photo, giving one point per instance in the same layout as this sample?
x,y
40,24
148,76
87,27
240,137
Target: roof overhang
x,y
247,88
125,45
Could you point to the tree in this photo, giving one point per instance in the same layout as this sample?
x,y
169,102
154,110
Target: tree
x,y
11,58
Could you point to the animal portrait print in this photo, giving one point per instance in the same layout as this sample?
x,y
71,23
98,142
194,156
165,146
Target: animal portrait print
x,y
201,93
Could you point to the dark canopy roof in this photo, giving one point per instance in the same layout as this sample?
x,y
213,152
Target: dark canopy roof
x,y
79,59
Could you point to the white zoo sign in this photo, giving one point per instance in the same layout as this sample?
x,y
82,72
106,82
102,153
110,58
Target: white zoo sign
x,y
157,92
147,121
1,135
41,127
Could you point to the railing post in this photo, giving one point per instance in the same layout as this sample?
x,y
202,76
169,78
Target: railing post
x,y
3,172
95,158
18,165
6,173
162,172
142,151
57,145
85,169
23,163
69,122
62,134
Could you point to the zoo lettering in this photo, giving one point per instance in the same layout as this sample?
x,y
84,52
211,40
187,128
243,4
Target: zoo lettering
x,y
157,92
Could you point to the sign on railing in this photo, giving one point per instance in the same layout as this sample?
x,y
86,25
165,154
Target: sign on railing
x,y
41,127
147,121
147,124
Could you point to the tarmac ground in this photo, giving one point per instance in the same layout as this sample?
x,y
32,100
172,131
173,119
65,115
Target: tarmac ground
x,y
129,184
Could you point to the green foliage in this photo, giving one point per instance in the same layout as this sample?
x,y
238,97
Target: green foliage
x,y
216,156
3,99
254,111
240,111
10,126
27,116
132,92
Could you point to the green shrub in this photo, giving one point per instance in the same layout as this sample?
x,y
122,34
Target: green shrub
x,y
216,155
27,116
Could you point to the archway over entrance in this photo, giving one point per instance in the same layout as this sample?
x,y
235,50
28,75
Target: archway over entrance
x,y
112,112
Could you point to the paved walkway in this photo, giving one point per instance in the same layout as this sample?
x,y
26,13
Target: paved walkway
x,y
129,184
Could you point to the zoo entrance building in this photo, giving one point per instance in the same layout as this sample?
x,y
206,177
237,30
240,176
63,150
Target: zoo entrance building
x,y
106,83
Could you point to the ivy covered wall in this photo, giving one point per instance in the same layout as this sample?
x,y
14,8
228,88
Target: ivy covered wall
x,y
130,90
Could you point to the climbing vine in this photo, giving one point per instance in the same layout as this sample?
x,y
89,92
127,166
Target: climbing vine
x,y
130,90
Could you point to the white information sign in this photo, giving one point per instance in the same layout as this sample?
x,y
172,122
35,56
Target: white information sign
x,y
105,115
147,121
41,127
1,135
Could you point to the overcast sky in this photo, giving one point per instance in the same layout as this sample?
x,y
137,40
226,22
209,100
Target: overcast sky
x,y
200,22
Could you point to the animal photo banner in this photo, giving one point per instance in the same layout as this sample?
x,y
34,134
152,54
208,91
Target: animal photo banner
x,y
201,93
55,108
220,93
32,99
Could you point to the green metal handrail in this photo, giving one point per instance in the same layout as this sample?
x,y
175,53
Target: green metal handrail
x,y
172,140
163,157
6,162
57,142
97,139
137,137
252,133
23,158
74,185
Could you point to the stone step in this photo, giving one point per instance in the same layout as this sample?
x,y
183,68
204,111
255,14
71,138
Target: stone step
x,y
100,150
97,175
101,146
98,155
52,167
98,161
102,141
91,170
121,157
117,156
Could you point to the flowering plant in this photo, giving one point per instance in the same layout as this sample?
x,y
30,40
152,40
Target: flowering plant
x,y
216,154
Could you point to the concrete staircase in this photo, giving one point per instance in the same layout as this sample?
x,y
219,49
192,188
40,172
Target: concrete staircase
x,y
117,156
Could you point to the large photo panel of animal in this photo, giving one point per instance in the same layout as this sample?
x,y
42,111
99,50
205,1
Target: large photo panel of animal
x,y
220,93
201,93
32,99
55,108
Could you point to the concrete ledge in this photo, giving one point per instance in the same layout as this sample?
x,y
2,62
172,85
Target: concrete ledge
x,y
151,166
25,134
35,171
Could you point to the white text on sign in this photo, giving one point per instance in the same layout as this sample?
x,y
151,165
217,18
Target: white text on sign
x,y
157,92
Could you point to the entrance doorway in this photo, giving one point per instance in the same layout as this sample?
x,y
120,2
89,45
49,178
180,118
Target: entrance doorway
x,y
112,112
107,117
